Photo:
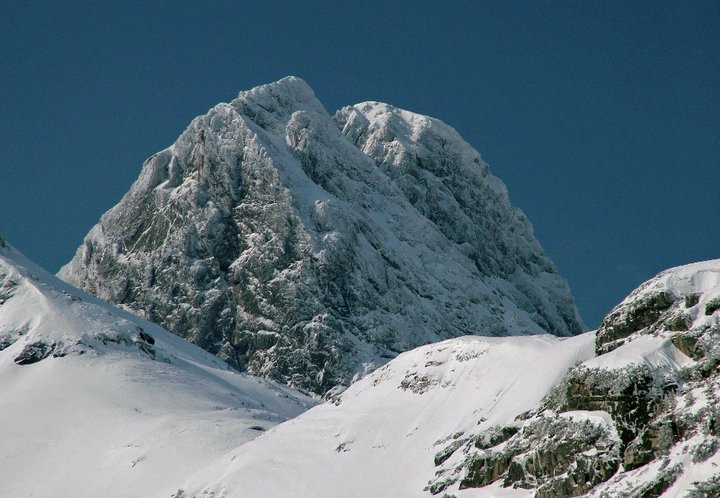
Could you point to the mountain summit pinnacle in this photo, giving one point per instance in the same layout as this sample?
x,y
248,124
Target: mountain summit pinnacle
x,y
310,249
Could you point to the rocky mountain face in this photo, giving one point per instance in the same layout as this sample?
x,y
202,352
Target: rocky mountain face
x,y
641,419
309,249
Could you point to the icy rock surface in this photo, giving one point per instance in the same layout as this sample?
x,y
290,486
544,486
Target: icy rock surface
x,y
310,249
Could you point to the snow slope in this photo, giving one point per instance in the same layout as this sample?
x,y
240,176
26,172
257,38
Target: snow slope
x,y
380,436
97,402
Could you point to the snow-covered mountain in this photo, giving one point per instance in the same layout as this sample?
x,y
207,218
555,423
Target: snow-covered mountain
x,y
95,401
310,249
629,411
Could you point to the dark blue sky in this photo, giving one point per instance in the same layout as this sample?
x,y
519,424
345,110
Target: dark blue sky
x,y
602,118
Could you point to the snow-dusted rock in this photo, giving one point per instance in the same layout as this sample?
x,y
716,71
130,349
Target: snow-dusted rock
x,y
447,181
98,402
310,250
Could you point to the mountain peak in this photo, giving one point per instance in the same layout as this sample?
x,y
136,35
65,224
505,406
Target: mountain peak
x,y
389,133
311,249
291,85
286,96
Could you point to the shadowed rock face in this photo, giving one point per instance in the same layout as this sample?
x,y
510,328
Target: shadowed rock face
x,y
310,249
559,465
626,320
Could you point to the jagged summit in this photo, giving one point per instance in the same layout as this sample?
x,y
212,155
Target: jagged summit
x,y
290,93
310,249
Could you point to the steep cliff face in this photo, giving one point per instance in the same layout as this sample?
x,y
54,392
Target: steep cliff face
x,y
447,181
309,249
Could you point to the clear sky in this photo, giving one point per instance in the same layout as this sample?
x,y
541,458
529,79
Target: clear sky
x,y
602,118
